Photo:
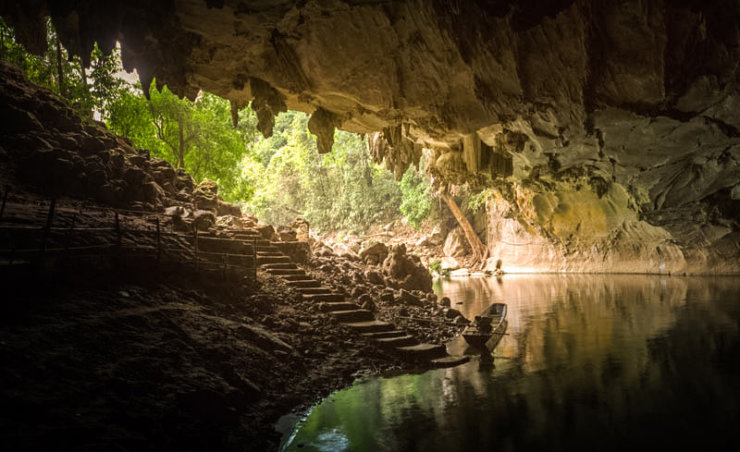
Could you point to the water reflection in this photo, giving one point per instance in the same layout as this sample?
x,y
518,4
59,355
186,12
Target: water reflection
x,y
597,362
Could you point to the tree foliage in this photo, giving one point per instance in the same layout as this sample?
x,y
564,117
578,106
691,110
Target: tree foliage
x,y
342,190
197,136
416,203
279,178
87,90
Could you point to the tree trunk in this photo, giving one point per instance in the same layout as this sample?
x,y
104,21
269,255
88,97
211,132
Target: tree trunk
x,y
480,251
60,72
88,95
83,72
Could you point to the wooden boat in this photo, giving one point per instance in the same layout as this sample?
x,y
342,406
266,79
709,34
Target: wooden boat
x,y
488,326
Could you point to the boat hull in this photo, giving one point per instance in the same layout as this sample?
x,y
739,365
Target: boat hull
x,y
489,335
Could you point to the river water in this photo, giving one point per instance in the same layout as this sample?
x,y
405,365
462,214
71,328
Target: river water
x,y
590,362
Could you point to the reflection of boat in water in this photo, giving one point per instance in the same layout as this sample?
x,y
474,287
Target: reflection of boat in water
x,y
488,328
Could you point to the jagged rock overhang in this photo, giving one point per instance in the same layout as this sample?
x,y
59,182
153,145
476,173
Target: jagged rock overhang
x,y
442,69
638,102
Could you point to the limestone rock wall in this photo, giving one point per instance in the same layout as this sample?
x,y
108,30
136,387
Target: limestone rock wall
x,y
586,105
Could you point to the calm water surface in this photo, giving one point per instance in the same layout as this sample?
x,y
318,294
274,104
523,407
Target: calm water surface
x,y
590,363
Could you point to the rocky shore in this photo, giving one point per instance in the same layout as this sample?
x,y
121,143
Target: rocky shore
x,y
100,357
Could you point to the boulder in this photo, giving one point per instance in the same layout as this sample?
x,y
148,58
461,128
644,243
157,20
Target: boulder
x,y
205,195
227,208
136,176
449,263
456,245
437,236
364,298
299,252
408,270
374,277
204,220
369,305
452,313
358,291
153,193
176,211
373,253
301,227
423,242
409,298
184,181
266,231
342,249
286,233
387,296
460,273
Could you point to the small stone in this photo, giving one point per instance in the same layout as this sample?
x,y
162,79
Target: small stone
x,y
387,297
452,313
374,277
460,320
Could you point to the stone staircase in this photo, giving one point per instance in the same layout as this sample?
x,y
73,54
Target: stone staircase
x,y
349,314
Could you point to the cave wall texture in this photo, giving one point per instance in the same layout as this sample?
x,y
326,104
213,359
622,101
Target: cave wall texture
x,y
607,128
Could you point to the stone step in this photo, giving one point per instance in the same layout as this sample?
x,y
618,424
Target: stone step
x,y
267,248
423,352
269,253
246,235
305,283
298,277
354,315
324,297
290,266
286,272
395,342
449,361
385,334
313,290
273,260
339,306
373,326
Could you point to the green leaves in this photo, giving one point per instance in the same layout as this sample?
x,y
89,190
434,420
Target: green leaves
x,y
416,204
341,190
279,178
197,136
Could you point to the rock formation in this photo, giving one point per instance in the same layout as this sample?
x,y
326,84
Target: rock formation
x,y
47,147
608,129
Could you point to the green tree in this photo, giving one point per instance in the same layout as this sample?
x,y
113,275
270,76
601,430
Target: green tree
x,y
280,177
342,190
416,200
196,136
87,91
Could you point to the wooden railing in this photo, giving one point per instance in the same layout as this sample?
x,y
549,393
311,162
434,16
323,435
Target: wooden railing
x,y
31,233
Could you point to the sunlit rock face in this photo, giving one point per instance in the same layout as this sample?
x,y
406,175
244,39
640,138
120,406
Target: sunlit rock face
x,y
609,129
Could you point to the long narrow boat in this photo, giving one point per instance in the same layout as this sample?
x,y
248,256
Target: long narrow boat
x,y
490,324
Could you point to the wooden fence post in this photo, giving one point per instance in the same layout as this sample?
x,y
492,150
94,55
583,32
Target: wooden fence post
x,y
47,228
159,242
118,241
195,246
5,199
254,257
118,231
225,262
69,234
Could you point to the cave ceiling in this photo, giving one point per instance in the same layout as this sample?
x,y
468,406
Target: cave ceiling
x,y
633,91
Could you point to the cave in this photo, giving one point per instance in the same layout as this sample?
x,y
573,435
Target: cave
x,y
602,137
